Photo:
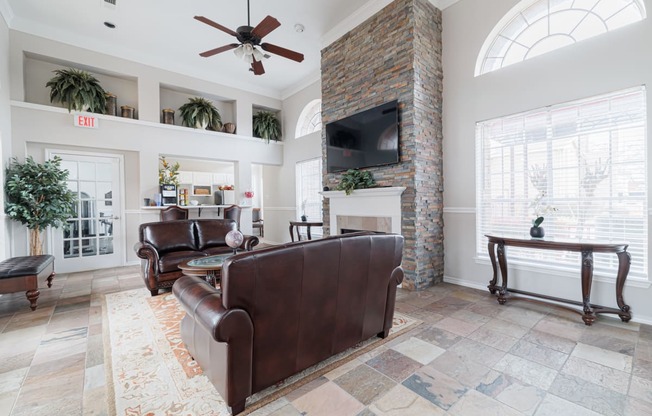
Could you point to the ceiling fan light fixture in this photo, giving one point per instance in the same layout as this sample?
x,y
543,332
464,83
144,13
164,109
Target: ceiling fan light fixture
x,y
239,51
248,49
258,55
249,59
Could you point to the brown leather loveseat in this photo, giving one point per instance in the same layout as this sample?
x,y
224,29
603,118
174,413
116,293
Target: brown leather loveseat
x,y
286,308
165,245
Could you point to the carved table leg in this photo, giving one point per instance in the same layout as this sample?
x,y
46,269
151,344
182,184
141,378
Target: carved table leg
x,y
50,278
502,262
587,279
32,296
624,261
492,256
291,233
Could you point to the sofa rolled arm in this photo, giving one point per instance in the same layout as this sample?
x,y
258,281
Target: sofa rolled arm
x,y
204,304
395,279
146,251
249,242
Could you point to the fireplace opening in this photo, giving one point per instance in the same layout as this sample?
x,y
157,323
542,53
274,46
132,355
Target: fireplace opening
x,y
350,230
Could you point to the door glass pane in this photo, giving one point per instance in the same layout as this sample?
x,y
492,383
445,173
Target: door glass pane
x,y
104,190
71,167
105,227
106,246
72,230
89,247
104,171
71,248
87,190
88,228
73,185
87,171
87,209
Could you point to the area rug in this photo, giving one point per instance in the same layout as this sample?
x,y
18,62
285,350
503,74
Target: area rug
x,y
152,373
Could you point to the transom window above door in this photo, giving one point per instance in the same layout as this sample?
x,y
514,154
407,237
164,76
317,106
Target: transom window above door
x,y
535,27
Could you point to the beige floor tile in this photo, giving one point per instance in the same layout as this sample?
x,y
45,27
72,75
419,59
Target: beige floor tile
x,y
402,402
12,380
524,398
327,400
598,374
607,358
641,388
418,350
7,400
457,326
556,406
526,371
475,403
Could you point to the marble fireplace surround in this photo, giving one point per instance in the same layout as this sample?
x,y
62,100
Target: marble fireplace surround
x,y
374,209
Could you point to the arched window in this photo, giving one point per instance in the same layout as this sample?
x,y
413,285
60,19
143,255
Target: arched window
x,y
534,27
310,119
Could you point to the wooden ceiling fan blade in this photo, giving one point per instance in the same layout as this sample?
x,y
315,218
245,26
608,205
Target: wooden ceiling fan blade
x,y
257,66
219,50
265,27
285,53
216,25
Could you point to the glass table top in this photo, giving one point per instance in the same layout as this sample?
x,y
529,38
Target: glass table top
x,y
210,262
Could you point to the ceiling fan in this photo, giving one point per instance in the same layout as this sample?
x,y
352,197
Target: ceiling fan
x,y
250,37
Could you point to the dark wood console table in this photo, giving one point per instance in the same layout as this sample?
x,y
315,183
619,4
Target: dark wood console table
x,y
497,245
307,224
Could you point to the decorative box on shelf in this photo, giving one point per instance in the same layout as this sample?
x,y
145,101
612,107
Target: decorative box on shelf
x,y
228,197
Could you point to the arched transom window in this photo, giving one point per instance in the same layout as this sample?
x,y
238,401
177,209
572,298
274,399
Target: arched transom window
x,y
310,119
535,27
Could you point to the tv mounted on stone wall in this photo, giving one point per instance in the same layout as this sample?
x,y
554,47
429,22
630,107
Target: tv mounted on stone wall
x,y
368,138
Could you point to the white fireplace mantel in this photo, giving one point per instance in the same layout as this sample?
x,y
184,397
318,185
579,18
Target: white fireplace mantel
x,y
372,202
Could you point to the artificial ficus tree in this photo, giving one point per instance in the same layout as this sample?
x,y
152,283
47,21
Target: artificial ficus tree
x,y
37,195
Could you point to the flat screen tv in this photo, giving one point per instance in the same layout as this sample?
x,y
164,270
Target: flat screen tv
x,y
368,138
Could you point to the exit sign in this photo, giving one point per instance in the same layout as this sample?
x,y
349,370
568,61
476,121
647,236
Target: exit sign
x,y
89,122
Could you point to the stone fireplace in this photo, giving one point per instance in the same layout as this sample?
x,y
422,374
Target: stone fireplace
x,y
400,60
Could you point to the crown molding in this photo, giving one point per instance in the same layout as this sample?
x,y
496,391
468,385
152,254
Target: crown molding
x,y
442,4
6,12
306,82
354,20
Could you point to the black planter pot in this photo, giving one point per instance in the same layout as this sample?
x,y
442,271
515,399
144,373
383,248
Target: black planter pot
x,y
304,218
537,232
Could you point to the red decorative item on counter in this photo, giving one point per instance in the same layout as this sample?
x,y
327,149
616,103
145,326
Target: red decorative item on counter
x,y
249,194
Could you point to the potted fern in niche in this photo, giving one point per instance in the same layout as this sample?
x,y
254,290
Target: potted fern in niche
x,y
267,126
200,113
37,195
78,90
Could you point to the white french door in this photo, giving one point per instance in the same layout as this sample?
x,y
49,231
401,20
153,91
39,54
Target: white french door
x,y
94,238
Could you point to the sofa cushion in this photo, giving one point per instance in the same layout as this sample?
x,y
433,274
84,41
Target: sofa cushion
x,y
211,233
169,236
170,262
218,250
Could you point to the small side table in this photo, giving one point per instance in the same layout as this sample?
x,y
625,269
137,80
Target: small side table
x,y
209,267
307,224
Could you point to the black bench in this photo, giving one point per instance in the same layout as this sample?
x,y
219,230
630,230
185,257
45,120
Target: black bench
x,y
23,273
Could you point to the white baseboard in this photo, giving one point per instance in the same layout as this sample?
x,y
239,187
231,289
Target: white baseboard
x,y
475,285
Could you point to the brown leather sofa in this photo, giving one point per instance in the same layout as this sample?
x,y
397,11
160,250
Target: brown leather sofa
x,y
286,308
164,245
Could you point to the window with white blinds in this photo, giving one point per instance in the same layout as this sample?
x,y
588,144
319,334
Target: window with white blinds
x,y
309,200
588,160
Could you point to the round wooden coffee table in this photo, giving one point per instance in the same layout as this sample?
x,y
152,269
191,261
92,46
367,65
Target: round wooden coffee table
x,y
209,267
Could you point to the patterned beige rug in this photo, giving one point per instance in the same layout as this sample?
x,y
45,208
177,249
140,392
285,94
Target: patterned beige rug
x,y
152,373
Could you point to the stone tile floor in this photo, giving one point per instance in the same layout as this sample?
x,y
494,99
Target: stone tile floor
x,y
470,356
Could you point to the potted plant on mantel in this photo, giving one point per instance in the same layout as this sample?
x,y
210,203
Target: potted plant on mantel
x,y
355,179
200,113
266,126
78,90
37,195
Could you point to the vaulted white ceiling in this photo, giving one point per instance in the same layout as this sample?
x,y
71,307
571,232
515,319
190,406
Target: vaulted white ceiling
x,y
165,35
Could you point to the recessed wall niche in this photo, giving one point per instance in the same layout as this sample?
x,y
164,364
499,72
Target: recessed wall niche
x,y
38,70
174,97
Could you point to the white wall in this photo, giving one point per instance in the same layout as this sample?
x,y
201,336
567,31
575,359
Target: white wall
x,y
5,131
279,182
610,62
35,127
